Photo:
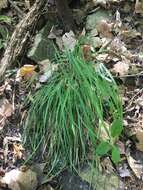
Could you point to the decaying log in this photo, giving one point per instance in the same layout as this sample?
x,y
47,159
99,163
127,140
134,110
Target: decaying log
x,y
20,36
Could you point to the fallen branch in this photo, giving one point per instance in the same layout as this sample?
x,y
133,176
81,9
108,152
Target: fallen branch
x,y
20,36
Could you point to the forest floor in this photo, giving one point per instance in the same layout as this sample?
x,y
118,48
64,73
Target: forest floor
x,y
116,26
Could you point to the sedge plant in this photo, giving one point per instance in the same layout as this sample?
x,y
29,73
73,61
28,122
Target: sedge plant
x,y
67,113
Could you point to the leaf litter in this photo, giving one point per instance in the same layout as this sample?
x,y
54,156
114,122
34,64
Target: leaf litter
x,y
121,35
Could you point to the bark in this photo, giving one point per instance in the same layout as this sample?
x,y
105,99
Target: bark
x,y
20,36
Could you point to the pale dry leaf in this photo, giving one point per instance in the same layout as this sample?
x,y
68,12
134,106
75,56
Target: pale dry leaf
x,y
45,187
118,22
5,86
124,171
121,68
27,4
119,47
20,180
6,111
130,34
3,4
69,40
139,136
18,150
46,70
45,65
136,166
102,3
104,131
139,6
102,57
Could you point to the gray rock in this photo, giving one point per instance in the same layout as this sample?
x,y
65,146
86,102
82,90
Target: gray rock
x,y
95,42
70,181
95,18
100,181
43,48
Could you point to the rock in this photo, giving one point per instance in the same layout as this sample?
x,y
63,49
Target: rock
x,y
95,42
94,19
100,181
20,180
69,181
93,32
43,47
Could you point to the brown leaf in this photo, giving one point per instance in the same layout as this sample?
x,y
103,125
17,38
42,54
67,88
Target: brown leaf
x,y
26,70
6,110
18,150
105,29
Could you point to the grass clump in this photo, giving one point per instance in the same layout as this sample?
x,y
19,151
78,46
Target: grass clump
x,y
67,113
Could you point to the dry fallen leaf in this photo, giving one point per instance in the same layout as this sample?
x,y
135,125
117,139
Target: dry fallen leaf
x,y
105,29
46,70
27,70
69,40
20,180
139,6
102,3
6,110
104,130
3,4
18,151
136,166
139,136
121,68
86,51
130,34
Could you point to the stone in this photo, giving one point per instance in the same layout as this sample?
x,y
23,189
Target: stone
x,y
98,180
95,42
43,47
94,19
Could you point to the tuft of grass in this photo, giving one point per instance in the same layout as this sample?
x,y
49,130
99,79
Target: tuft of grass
x,y
66,113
